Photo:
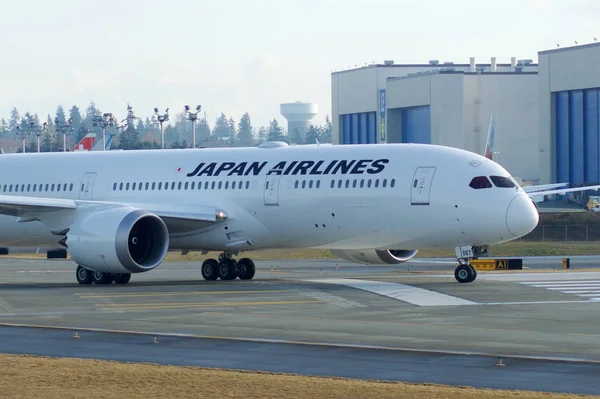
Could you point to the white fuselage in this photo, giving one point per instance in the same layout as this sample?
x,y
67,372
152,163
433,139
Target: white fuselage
x,y
290,197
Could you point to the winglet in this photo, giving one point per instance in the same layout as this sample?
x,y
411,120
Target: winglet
x,y
489,145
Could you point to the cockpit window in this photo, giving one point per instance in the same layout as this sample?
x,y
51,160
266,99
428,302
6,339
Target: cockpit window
x,y
480,182
503,182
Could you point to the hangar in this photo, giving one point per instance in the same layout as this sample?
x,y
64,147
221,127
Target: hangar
x,y
544,112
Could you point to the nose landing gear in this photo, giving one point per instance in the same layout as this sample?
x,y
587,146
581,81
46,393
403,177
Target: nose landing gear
x,y
465,272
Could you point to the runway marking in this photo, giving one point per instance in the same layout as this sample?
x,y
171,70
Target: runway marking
x,y
132,306
401,292
589,289
175,293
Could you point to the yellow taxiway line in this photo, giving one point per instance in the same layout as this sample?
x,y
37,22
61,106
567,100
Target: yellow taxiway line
x,y
174,293
133,306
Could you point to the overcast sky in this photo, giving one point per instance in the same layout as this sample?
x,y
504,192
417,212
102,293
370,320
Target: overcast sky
x,y
237,56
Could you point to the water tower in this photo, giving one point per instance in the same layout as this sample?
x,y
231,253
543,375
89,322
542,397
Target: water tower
x,y
298,115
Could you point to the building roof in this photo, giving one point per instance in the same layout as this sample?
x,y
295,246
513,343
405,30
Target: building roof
x,y
570,48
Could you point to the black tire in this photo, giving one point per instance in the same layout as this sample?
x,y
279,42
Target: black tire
x,y
246,269
102,278
56,254
84,276
122,278
210,269
474,272
464,274
227,269
3,251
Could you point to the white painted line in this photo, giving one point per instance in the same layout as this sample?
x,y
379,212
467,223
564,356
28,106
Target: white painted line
x,y
566,289
400,292
551,283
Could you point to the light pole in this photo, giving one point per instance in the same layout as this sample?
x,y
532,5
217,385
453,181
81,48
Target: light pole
x,y
193,116
104,120
21,132
162,118
64,128
38,132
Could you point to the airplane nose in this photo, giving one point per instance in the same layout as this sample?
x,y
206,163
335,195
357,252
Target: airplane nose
x,y
522,216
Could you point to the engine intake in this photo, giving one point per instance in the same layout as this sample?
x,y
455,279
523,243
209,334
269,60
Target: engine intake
x,y
121,240
376,256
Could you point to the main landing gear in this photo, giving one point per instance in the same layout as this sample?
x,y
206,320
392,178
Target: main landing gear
x,y
85,277
226,268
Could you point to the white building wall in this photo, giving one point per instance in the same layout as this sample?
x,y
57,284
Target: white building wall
x,y
570,68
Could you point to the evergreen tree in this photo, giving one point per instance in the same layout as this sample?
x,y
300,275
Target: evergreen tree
x,y
221,130
130,139
262,135
275,131
313,134
325,136
14,120
245,136
76,119
296,137
202,133
60,114
4,127
232,132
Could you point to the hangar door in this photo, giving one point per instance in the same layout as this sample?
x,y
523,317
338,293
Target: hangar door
x,y
421,185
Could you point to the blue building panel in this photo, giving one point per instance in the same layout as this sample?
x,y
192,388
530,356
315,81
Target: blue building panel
x,y
561,114
362,128
354,129
346,129
591,136
576,137
416,125
371,128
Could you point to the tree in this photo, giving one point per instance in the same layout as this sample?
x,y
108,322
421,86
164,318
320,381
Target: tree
x,y
221,130
130,139
262,135
275,131
245,136
4,127
232,132
75,116
14,120
296,137
325,136
313,134
202,133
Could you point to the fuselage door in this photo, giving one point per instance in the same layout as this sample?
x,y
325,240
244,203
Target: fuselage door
x,y
421,185
272,189
87,186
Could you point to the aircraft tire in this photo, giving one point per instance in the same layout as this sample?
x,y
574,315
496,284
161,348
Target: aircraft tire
x,y
210,269
227,269
122,278
474,272
102,278
464,274
246,269
84,276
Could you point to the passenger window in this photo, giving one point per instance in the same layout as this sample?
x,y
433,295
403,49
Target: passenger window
x,y
362,183
220,184
369,183
133,186
310,184
247,184
296,184
415,183
347,183
47,185
173,186
303,183
233,185
502,182
147,186
318,183
339,184
193,186
354,183
159,185
226,185
71,187
392,183
179,186
22,187
17,188
52,189
332,183
5,188
10,188
127,186
384,183
213,185
58,187
65,187
206,186
480,182
153,185
34,187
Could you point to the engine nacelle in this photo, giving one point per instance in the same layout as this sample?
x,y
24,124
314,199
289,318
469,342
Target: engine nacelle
x,y
376,256
119,240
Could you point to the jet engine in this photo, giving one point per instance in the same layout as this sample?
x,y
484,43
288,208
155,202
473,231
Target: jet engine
x,y
376,256
119,240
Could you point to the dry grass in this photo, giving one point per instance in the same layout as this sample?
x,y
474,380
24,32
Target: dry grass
x,y
29,377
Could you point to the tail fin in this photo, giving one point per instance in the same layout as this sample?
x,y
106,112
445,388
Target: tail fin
x,y
86,143
98,145
489,146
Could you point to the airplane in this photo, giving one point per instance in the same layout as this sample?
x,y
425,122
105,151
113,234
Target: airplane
x,y
119,212
489,148
87,143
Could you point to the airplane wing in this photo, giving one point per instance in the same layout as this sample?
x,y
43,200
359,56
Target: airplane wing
x,y
542,187
58,214
562,191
